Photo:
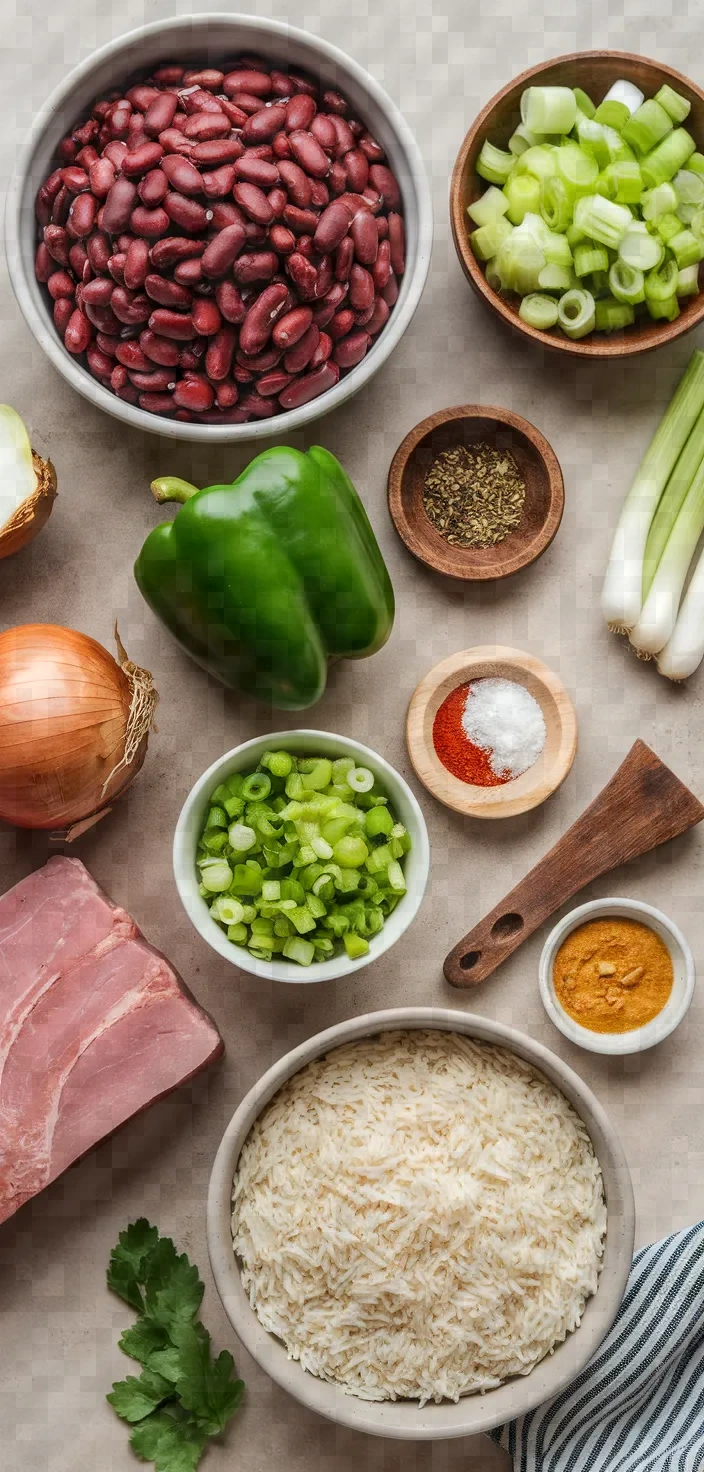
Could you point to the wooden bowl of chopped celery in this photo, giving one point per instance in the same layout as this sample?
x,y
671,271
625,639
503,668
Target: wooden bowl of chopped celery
x,y
577,276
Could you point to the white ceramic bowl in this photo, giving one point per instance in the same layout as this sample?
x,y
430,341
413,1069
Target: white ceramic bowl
x,y
405,1420
214,37
245,758
675,1008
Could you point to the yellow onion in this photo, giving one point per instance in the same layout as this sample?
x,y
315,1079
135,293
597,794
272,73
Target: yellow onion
x,y
27,485
74,726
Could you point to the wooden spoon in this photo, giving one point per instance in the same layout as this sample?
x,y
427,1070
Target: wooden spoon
x,y
643,805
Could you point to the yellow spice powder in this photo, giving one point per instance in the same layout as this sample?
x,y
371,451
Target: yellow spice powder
x,y
613,975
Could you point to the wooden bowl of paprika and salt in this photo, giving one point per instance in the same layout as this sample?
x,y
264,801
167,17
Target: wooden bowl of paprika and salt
x,y
491,732
476,492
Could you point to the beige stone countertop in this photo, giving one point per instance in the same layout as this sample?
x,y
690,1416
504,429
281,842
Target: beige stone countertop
x,y
440,60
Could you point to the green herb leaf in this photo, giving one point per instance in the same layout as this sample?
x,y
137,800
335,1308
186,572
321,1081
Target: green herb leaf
x,y
167,1362
125,1272
143,1339
174,1445
133,1398
205,1386
174,1291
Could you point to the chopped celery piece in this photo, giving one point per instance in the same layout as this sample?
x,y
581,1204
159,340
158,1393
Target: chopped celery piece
x,y
574,235
688,281
627,283
668,226
548,109
556,278
576,313
689,187
648,125
271,890
238,934
668,158
395,877
639,249
319,777
555,205
661,283
625,92
592,140
602,219
378,821
697,224
687,249
674,103
695,163
577,170
521,140
584,103
342,767
611,315
494,164
522,194
589,257
302,918
622,181
256,787
667,310
597,284
538,161
234,807
279,763
488,239
217,818
616,146
659,201
519,262
350,852
612,113
538,311
490,206
296,949
355,945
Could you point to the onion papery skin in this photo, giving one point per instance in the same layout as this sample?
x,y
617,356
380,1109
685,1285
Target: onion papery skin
x,y
64,708
33,514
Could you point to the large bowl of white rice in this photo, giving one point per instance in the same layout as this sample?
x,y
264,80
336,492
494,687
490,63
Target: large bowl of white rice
x,y
421,1223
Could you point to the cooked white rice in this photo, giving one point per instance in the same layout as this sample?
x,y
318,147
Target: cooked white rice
x,y
418,1215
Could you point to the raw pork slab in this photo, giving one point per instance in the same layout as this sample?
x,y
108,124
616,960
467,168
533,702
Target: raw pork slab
x,y
95,1025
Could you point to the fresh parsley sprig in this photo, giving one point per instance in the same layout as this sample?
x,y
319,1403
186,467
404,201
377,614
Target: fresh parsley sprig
x,y
183,1396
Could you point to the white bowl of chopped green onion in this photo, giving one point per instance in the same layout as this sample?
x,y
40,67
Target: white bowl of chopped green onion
x,y
301,856
577,204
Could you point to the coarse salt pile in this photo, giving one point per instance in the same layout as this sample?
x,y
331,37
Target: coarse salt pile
x,y
418,1215
505,720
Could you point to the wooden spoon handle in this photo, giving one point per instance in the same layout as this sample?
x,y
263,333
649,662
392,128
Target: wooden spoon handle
x,y
642,806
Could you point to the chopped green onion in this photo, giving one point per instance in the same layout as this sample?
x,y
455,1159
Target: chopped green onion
x,y
555,278
584,103
602,219
361,779
695,163
555,205
648,125
625,92
538,161
576,313
661,284
242,838
537,310
668,158
577,170
519,262
688,281
494,164
522,194
589,257
279,763
687,249
256,787
674,103
490,205
612,113
215,874
684,650
548,109
668,226
659,201
296,949
488,239
355,945
227,910
639,249
597,284
689,187
521,140
612,315
627,283
616,146
660,607
622,181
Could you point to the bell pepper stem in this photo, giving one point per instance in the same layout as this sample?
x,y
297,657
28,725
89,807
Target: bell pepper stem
x,y
171,488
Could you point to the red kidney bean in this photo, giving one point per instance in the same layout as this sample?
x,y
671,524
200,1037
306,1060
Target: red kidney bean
x,y
244,80
124,242
361,288
181,174
259,362
261,317
204,127
356,167
303,275
299,113
156,381
178,325
323,128
175,248
298,357
188,272
371,149
156,403
61,284
98,248
142,159
366,238
219,151
256,235
78,332
302,222
130,308
97,293
194,393
254,404
322,352
344,137
107,344
149,223
224,213
153,188
337,179
325,277
142,95
341,323
63,312
379,317
280,146
309,155
325,310
101,177
381,270
237,117
44,264
373,200
296,183
332,227
220,253
319,194
390,291
218,184
242,375
116,266
247,103
61,206
310,387
118,120
397,243
189,357
386,184
74,179
334,102
344,256
174,142
119,205
291,327
256,171
115,152
79,263
186,213
100,365
226,394
278,199
208,77
67,150
52,185
220,352
207,319
303,84
56,242
282,239
196,100
382,226
270,385
352,349
230,302
254,202
281,84
263,125
88,130
160,113
167,293
87,156
156,349
169,75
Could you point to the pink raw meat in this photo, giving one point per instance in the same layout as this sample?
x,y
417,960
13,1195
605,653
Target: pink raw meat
x,y
95,1025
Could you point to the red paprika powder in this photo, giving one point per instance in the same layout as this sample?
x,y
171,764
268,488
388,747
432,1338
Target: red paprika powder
x,y
461,757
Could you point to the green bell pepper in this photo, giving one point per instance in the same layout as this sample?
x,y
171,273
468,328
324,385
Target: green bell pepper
x,y
263,581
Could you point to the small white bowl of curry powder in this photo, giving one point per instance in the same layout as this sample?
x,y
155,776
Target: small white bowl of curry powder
x,y
616,976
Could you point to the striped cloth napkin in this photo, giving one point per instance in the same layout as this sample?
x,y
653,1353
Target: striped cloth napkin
x,y
639,1405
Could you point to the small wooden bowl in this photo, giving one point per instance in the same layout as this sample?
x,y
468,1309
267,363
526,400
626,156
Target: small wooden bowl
x,y
545,491
594,72
532,787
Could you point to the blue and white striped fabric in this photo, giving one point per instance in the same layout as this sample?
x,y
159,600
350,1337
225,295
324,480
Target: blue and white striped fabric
x,y
639,1405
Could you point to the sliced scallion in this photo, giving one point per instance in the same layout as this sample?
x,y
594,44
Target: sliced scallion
x,y
612,315
576,313
537,310
577,170
687,249
622,181
658,615
684,650
556,278
688,281
490,206
555,204
627,283
674,103
522,193
360,779
625,92
522,139
584,102
668,226
602,219
659,201
488,239
589,257
668,158
648,125
639,249
494,164
539,161
548,109
661,283
612,113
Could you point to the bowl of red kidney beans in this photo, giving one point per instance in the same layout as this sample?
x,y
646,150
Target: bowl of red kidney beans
x,y
219,227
